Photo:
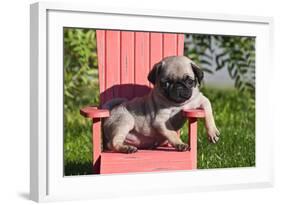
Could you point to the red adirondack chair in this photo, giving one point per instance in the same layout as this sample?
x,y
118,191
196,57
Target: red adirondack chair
x,y
124,61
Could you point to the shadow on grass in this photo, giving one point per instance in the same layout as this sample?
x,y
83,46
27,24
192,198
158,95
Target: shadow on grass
x,y
71,169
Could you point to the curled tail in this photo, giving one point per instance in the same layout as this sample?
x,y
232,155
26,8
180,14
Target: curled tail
x,y
112,103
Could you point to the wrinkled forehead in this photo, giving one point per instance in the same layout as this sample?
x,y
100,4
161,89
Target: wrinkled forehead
x,y
178,68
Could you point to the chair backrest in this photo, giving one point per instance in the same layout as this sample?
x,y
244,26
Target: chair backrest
x,y
125,59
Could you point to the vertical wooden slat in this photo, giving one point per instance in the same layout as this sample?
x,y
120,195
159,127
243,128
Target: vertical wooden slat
x,y
156,48
180,44
100,37
127,64
192,141
142,63
96,132
169,44
112,72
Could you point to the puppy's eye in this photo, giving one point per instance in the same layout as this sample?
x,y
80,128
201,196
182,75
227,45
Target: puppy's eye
x,y
165,83
188,81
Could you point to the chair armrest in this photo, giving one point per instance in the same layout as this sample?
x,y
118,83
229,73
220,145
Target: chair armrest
x,y
193,113
94,112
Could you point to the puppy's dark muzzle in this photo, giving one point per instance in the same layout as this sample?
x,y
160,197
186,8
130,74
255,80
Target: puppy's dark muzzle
x,y
184,93
179,92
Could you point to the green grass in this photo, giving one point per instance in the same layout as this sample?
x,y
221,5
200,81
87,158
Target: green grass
x,y
235,117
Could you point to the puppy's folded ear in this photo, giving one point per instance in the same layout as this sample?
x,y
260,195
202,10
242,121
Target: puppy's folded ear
x,y
154,73
198,73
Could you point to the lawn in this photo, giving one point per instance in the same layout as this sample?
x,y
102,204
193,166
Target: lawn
x,y
235,117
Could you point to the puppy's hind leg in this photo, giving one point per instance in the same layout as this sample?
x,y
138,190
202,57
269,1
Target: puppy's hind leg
x,y
119,137
117,127
119,146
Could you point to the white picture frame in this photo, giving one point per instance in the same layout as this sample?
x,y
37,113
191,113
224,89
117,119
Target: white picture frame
x,y
47,182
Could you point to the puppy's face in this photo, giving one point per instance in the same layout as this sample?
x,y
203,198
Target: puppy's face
x,y
176,77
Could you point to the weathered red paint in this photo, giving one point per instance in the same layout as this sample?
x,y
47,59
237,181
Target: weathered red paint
x,y
194,113
127,74
142,61
161,159
96,137
192,141
94,112
124,61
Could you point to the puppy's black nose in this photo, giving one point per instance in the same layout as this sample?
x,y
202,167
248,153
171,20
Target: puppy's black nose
x,y
179,86
184,93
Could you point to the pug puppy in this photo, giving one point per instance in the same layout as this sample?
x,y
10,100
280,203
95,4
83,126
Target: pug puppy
x,y
149,121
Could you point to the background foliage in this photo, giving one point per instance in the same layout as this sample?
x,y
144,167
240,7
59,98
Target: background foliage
x,y
234,53
234,109
80,66
80,89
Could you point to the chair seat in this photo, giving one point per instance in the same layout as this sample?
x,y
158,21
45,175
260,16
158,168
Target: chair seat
x,y
160,159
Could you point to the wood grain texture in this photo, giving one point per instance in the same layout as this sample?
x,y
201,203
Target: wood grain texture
x,y
142,59
127,73
193,113
170,47
162,159
125,59
180,44
94,112
156,48
96,137
112,62
192,141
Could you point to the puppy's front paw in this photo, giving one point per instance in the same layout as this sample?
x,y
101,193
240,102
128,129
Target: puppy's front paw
x,y
213,134
128,149
182,147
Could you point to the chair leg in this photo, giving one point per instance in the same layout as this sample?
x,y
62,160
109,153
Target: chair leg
x,y
96,136
192,140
